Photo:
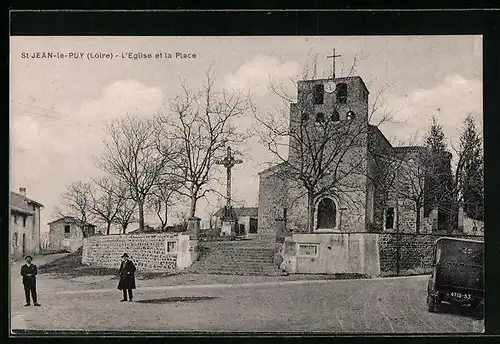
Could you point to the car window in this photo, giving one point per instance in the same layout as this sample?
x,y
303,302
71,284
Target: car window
x,y
460,252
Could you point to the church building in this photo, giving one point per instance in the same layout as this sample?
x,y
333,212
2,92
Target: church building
x,y
352,170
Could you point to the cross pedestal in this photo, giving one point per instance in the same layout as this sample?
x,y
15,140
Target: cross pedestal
x,y
228,228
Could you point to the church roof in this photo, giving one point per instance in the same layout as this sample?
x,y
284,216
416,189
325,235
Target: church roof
x,y
240,211
272,168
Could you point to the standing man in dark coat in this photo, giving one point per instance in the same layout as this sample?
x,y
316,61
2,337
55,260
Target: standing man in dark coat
x,y
29,271
127,277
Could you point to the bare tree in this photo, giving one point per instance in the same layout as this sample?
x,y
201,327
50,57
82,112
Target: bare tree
x,y
125,214
132,157
200,124
320,151
78,200
106,201
162,198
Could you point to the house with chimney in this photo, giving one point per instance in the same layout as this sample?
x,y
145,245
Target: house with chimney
x,y
24,230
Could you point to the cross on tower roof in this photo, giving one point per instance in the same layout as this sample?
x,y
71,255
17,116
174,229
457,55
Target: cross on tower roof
x,y
333,62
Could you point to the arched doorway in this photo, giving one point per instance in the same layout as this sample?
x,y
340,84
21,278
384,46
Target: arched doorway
x,y
326,214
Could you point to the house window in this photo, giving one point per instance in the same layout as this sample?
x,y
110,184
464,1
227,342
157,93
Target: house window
x,y
15,218
171,247
320,117
24,220
389,218
34,207
67,230
342,93
308,250
319,92
335,116
14,240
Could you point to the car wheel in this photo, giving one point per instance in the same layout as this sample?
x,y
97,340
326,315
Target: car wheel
x,y
431,304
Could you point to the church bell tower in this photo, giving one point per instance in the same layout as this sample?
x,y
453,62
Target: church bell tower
x,y
328,102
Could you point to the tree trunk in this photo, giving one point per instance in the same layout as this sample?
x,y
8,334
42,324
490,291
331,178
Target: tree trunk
x,y
124,227
310,211
192,208
166,216
108,228
141,215
417,222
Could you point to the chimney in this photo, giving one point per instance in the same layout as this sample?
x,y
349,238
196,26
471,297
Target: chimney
x,y
22,191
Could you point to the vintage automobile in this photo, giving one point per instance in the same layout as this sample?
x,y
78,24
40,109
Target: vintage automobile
x,y
457,273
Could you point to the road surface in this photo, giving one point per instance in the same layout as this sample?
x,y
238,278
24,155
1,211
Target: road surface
x,y
395,305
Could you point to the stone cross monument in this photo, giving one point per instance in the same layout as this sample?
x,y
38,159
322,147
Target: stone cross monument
x,y
228,219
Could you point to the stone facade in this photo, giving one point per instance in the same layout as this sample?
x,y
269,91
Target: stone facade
x,y
24,229
161,252
272,198
66,234
416,251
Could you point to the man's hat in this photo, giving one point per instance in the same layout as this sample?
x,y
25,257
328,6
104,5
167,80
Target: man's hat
x,y
125,255
30,257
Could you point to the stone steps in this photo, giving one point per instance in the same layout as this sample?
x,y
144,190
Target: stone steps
x,y
236,258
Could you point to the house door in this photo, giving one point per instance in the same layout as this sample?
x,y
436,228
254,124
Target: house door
x,y
253,225
24,244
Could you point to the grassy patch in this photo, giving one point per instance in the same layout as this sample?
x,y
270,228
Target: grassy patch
x,y
71,266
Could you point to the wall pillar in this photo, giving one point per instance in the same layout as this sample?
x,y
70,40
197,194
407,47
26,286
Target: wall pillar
x,y
281,231
461,215
193,227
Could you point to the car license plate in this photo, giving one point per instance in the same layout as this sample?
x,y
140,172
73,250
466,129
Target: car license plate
x,y
460,295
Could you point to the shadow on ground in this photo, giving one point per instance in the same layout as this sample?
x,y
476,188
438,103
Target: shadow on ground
x,y
179,299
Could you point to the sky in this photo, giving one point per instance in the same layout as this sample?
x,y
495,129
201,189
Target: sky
x,y
59,107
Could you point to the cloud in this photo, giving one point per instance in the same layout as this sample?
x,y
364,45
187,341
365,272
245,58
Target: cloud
x,y
255,74
450,101
53,147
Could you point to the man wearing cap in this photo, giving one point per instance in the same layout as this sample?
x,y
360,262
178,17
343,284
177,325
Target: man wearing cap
x,y
127,278
29,271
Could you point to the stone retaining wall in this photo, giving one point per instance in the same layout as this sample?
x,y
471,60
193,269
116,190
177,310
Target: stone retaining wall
x,y
161,252
416,251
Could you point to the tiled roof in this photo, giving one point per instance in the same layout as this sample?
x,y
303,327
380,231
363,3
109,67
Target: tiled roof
x,y
22,204
70,219
241,211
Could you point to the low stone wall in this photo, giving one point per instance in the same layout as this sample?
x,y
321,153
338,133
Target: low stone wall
x,y
161,252
415,251
331,253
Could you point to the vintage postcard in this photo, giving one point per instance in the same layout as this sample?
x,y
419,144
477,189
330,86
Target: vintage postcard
x,y
291,184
